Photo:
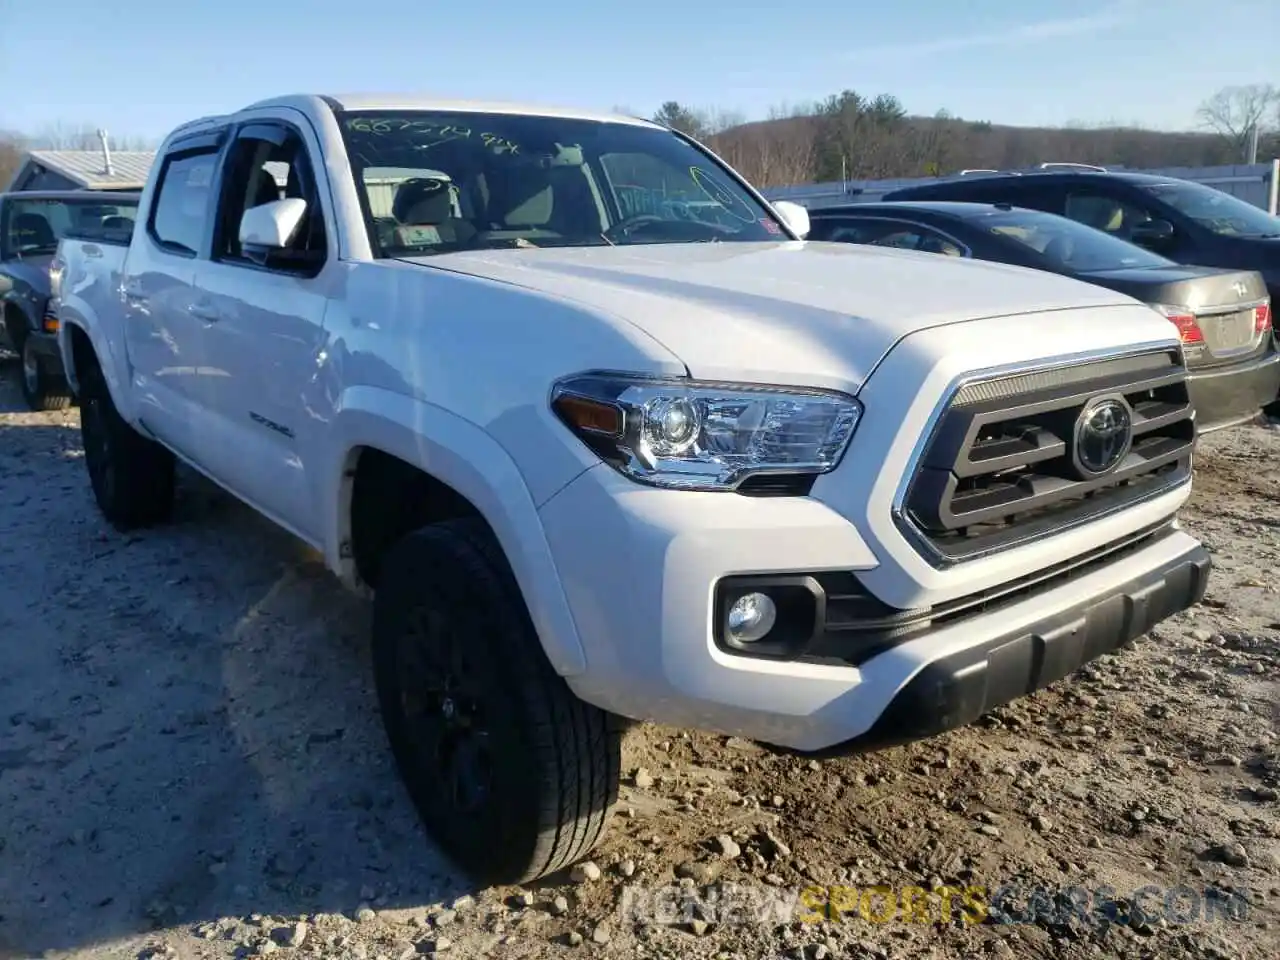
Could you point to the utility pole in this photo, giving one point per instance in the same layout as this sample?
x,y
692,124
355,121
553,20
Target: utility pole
x,y
1251,144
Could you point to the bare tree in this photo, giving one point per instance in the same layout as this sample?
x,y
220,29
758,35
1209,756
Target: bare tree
x,y
717,120
12,148
866,138
60,135
769,154
685,119
1234,112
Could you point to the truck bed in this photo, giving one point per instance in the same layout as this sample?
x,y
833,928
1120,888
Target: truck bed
x,y
87,278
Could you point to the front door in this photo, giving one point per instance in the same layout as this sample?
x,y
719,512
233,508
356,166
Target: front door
x,y
264,329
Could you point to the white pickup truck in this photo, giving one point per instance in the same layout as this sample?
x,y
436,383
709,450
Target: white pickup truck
x,y
604,438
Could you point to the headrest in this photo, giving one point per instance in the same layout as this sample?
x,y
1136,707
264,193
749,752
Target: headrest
x,y
423,200
521,197
33,228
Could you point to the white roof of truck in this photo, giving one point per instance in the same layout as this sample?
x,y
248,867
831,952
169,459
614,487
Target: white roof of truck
x,y
391,101
311,103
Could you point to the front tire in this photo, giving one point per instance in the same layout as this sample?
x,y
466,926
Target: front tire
x,y
511,773
132,475
42,390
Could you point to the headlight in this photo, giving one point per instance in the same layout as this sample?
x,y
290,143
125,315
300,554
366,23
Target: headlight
x,y
55,278
705,436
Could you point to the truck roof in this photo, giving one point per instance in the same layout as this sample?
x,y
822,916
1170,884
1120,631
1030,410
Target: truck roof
x,y
311,103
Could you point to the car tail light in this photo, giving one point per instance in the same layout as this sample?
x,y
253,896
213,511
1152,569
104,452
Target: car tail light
x,y
1262,317
1189,331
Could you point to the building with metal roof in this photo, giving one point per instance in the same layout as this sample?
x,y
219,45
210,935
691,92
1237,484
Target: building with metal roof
x,y
103,169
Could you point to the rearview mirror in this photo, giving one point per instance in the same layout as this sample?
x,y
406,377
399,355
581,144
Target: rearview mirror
x,y
269,227
794,216
1152,233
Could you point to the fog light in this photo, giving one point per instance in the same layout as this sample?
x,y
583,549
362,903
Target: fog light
x,y
751,617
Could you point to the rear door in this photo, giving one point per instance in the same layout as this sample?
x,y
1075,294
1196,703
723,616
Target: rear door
x,y
164,337
263,326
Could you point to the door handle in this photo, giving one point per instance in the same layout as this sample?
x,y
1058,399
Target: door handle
x,y
204,312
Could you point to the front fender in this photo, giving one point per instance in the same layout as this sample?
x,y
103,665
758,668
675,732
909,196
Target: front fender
x,y
462,455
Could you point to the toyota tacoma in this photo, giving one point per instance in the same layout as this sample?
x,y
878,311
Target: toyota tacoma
x,y
603,438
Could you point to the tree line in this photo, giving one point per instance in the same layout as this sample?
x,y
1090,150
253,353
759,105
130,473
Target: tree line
x,y
857,137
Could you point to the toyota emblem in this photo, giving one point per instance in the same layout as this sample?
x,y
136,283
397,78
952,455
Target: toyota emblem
x,y
1103,436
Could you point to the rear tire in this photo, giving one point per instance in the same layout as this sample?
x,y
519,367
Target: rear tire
x,y
511,773
42,390
132,475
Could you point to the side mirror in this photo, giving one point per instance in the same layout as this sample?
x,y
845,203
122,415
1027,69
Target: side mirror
x,y
270,227
1153,234
794,216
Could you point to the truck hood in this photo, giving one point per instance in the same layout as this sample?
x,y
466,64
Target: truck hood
x,y
820,314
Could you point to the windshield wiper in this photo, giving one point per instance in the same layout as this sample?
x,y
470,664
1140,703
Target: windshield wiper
x,y
596,241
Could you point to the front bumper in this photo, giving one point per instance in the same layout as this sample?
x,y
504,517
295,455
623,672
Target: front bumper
x,y
958,688
640,568
1226,396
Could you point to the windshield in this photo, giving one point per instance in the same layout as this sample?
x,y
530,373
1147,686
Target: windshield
x,y
34,227
1220,212
1064,245
440,182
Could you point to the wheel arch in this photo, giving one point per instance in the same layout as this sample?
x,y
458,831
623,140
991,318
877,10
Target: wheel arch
x,y
15,315
459,460
82,344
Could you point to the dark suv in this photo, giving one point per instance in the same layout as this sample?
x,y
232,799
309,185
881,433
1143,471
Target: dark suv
x,y
31,224
1185,221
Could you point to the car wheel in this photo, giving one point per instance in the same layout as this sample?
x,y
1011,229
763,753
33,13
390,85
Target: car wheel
x,y
511,773
41,389
132,476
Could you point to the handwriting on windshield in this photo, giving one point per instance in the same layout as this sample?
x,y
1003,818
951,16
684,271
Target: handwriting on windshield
x,y
715,190
430,133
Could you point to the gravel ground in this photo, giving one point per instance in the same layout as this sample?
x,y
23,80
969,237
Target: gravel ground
x,y
191,764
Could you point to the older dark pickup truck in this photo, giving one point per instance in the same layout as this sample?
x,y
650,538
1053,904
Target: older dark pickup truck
x,y
31,224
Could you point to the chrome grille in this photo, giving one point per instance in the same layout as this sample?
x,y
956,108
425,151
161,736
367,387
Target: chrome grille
x,y
999,470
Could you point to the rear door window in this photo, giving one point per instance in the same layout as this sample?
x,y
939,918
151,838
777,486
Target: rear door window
x,y
180,216
1105,210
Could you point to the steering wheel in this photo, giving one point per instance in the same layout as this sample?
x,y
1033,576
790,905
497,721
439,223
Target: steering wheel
x,y
628,224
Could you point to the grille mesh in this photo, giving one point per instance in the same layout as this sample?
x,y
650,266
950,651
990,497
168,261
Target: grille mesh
x,y
999,467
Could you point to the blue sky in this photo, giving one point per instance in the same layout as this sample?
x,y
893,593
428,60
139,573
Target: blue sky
x,y
138,67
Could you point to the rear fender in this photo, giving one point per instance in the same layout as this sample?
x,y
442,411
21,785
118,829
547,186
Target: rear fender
x,y
100,317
